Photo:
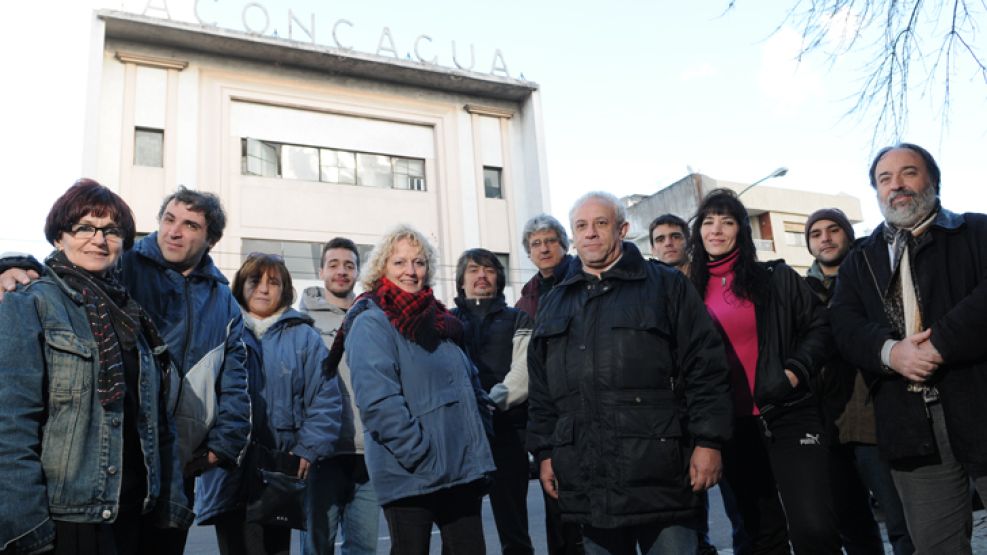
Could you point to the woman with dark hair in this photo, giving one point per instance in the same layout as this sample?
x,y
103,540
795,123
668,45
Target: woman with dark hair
x,y
296,409
88,463
420,398
776,339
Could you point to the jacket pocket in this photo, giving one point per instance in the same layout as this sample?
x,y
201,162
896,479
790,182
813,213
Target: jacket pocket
x,y
552,332
650,450
70,362
642,349
565,460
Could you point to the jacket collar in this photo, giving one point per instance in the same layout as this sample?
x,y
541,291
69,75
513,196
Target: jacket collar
x,y
494,304
288,317
631,266
149,249
314,299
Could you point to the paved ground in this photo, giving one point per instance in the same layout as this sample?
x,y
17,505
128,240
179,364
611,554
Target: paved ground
x,y
202,540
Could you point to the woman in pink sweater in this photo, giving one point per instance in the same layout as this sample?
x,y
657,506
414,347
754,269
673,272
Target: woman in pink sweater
x,y
776,339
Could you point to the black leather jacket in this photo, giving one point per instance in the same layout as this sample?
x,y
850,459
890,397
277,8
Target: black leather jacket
x,y
627,373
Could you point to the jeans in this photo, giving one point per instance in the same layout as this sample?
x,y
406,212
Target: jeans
x,y
456,511
935,494
653,539
876,474
783,453
340,496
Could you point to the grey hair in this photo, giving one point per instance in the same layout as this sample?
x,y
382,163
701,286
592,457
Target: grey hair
x,y
543,222
619,210
374,271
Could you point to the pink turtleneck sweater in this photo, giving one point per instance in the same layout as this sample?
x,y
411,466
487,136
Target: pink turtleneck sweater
x,y
737,323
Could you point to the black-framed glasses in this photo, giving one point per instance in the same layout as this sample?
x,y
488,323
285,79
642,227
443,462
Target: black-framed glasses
x,y
87,231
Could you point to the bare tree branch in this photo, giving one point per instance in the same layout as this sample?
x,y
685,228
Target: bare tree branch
x,y
912,45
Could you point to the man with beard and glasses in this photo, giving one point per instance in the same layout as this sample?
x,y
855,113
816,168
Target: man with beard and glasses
x,y
855,462
339,487
909,311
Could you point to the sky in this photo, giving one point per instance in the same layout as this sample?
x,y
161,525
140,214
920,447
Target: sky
x,y
634,93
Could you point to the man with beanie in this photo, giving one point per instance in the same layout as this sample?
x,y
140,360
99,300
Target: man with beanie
x,y
855,465
910,310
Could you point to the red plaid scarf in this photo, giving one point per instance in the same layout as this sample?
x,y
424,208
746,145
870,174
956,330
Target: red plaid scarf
x,y
418,317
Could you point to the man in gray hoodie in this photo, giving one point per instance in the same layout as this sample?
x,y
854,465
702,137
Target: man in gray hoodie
x,y
340,486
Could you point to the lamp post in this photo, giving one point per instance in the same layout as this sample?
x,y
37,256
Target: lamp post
x,y
777,173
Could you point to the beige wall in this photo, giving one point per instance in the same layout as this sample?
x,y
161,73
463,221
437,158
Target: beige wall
x,y
206,104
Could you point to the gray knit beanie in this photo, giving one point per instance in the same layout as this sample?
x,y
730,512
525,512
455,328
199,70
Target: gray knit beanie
x,y
831,214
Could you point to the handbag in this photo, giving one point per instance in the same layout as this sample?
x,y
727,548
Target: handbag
x,y
278,496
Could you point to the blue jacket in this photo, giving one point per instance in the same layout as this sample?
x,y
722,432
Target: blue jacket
x,y
294,407
60,449
423,428
201,322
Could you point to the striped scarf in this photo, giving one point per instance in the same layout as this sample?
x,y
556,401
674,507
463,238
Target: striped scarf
x,y
113,319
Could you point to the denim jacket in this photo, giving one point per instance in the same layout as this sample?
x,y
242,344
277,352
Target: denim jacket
x,y
61,451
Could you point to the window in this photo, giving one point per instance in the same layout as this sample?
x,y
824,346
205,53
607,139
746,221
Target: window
x,y
491,183
259,158
149,147
409,174
299,162
330,165
338,166
794,234
302,258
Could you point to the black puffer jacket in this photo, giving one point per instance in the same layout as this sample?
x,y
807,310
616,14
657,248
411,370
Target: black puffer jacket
x,y
627,373
949,263
490,343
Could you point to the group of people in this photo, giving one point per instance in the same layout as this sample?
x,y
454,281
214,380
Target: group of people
x,y
141,392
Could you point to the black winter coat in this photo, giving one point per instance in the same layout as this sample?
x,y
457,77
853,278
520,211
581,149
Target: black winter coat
x,y
626,373
949,263
792,334
489,342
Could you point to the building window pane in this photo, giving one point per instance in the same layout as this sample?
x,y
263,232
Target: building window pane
x,y
338,166
409,174
300,162
491,183
373,170
149,147
260,158
794,239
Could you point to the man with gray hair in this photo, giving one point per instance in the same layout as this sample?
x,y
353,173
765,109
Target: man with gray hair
x,y
629,397
909,311
546,242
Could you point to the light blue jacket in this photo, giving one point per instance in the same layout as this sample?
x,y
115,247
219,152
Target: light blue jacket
x,y
295,407
61,451
423,428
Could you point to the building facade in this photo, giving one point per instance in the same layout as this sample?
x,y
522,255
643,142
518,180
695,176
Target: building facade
x,y
777,215
304,142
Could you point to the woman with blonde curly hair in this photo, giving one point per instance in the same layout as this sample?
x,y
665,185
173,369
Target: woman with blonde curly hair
x,y
423,409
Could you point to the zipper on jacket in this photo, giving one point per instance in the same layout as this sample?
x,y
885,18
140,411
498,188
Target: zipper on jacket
x,y
188,328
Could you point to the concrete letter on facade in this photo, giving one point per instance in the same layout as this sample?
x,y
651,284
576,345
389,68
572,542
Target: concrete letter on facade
x,y
335,37
247,27
199,17
434,60
385,36
502,67
292,19
455,60
163,8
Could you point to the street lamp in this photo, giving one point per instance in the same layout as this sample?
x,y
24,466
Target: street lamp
x,y
777,173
